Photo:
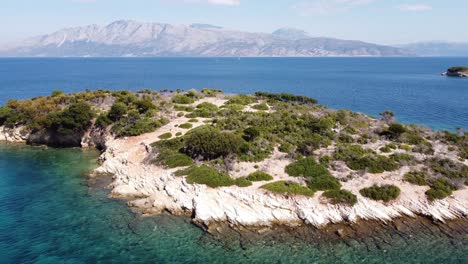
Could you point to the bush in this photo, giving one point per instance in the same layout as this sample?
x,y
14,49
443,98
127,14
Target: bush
x,y
207,176
286,147
178,134
385,193
76,118
449,168
343,138
186,126
288,188
175,144
165,135
208,142
182,99
318,177
173,159
341,197
241,99
457,69
385,149
145,105
184,108
117,111
205,110
394,131
440,189
193,120
210,92
259,176
357,158
243,182
285,97
261,107
251,133
56,93
103,121
416,177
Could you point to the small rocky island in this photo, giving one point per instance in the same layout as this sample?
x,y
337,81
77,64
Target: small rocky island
x,y
252,160
458,71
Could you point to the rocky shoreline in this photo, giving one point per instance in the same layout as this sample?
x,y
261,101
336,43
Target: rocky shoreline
x,y
154,189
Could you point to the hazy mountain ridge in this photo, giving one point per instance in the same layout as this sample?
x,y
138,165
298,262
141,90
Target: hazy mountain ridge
x,y
131,38
438,48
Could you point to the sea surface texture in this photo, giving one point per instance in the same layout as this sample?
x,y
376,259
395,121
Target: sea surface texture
x,y
51,213
411,87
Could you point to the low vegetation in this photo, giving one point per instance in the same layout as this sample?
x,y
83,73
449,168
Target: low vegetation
x,y
259,176
384,193
288,188
341,197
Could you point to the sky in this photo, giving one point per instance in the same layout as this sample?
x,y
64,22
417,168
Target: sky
x,y
378,21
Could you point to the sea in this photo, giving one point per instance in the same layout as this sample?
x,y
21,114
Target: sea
x,y
51,212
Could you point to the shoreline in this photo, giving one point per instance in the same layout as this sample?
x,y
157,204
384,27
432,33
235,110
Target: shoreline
x,y
155,189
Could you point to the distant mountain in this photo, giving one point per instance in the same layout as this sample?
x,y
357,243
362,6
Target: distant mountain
x,y
437,48
291,33
135,39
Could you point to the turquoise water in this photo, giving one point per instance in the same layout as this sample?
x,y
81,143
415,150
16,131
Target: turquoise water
x,y
411,87
50,214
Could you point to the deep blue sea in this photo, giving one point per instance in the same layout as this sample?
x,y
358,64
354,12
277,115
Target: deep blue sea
x,y
50,213
411,87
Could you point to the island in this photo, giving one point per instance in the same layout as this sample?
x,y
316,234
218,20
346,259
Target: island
x,y
252,160
458,71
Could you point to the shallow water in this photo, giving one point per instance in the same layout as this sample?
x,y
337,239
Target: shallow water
x,y
50,214
411,87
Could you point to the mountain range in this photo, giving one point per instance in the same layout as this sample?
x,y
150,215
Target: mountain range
x,y
126,38
438,49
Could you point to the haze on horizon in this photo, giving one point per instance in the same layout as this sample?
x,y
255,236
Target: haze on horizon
x,y
387,22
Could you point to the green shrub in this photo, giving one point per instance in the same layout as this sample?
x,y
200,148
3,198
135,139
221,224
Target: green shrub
x,y
416,177
207,176
259,176
285,97
306,167
208,142
243,182
210,92
233,107
103,121
385,149
403,159
343,138
117,111
205,110
56,93
385,193
440,189
288,188
394,131
173,159
178,134
184,108
341,197
175,144
318,177
449,168
251,133
182,99
145,105
186,126
357,158
180,114
241,99
193,120
75,118
286,147
165,135
261,107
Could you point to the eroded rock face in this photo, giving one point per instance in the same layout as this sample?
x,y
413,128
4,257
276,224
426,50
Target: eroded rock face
x,y
155,190
94,137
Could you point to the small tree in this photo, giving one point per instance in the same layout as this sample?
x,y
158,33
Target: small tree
x,y
117,111
388,116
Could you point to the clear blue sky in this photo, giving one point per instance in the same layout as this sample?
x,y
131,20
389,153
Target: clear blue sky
x,y
379,21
